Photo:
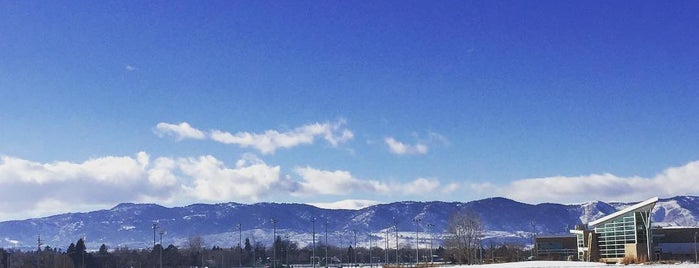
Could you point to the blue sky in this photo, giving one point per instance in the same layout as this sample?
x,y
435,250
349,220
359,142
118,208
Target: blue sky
x,y
345,103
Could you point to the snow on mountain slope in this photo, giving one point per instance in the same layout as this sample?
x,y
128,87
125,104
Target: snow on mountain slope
x,y
504,220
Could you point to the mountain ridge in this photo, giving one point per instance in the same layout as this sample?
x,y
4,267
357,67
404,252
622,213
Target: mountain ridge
x,y
131,224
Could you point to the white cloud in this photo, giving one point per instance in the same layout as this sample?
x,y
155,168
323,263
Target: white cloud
x,y
130,68
213,181
420,186
179,131
399,148
338,182
450,188
683,180
266,142
346,204
271,140
31,189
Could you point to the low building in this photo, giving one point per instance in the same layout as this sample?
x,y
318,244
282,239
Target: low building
x,y
556,247
675,243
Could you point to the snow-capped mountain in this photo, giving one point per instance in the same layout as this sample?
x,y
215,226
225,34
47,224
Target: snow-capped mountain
x,y
131,225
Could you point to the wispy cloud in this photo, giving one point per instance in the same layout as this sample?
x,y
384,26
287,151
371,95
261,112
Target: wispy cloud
x,y
673,181
268,141
130,68
179,131
400,148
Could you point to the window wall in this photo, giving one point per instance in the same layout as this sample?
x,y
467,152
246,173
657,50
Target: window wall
x,y
615,234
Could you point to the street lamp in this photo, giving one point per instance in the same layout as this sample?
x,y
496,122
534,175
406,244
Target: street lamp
x,y
161,247
395,226
429,229
534,239
313,258
355,247
155,227
417,240
341,253
240,245
326,243
370,260
274,243
386,248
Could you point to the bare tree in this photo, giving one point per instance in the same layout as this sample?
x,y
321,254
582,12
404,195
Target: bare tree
x,y
195,243
466,230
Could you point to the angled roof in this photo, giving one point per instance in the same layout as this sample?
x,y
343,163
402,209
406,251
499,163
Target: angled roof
x,y
645,205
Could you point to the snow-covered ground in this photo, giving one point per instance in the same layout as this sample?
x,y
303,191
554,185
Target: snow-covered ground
x,y
555,264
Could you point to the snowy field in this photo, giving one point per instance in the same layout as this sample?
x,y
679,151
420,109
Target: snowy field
x,y
554,264
563,264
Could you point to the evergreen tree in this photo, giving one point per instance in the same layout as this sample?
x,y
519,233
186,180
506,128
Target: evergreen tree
x,y
248,252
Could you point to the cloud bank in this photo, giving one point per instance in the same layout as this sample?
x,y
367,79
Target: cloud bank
x,y
60,187
682,180
266,142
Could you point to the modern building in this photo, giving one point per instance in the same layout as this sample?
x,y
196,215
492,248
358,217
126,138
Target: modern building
x,y
623,234
627,233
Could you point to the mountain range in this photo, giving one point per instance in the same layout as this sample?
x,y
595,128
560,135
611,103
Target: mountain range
x,y
504,220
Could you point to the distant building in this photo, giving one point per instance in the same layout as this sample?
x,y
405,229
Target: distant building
x,y
627,233
675,243
556,247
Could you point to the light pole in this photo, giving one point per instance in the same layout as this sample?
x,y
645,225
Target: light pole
x,y
534,239
313,258
341,253
274,243
240,245
161,247
371,261
386,248
355,247
417,240
326,243
395,226
429,229
287,250
155,227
